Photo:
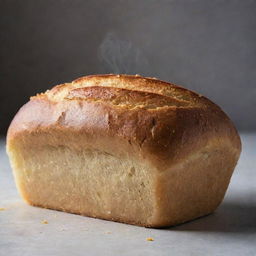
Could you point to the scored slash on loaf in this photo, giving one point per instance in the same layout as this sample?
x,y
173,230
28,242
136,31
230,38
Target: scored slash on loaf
x,y
123,148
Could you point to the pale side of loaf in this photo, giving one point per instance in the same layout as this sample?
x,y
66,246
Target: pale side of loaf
x,y
123,148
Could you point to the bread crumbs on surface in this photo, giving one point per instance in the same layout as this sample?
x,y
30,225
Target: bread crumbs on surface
x,y
150,239
44,222
2,209
108,232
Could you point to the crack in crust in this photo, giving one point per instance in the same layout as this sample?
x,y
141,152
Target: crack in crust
x,y
124,91
124,97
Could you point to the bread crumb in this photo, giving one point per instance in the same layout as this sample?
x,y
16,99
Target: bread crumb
x,y
2,209
108,232
150,239
44,222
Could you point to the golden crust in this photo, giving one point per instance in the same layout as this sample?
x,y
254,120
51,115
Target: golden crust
x,y
129,82
160,120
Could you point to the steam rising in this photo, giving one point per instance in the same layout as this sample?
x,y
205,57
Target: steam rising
x,y
121,56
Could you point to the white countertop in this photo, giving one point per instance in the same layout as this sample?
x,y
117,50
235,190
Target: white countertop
x,y
231,230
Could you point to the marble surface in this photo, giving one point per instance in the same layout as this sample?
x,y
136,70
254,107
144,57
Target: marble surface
x,y
231,230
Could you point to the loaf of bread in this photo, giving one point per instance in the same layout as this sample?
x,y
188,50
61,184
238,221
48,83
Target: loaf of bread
x,y
124,148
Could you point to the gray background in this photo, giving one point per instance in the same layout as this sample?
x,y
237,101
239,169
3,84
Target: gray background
x,y
207,46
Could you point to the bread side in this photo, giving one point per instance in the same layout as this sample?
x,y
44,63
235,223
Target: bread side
x,y
157,154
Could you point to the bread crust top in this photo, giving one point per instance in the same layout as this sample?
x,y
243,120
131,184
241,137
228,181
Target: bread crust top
x,y
121,114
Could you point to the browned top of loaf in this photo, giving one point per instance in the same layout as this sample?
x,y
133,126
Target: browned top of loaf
x,y
124,97
160,120
124,90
